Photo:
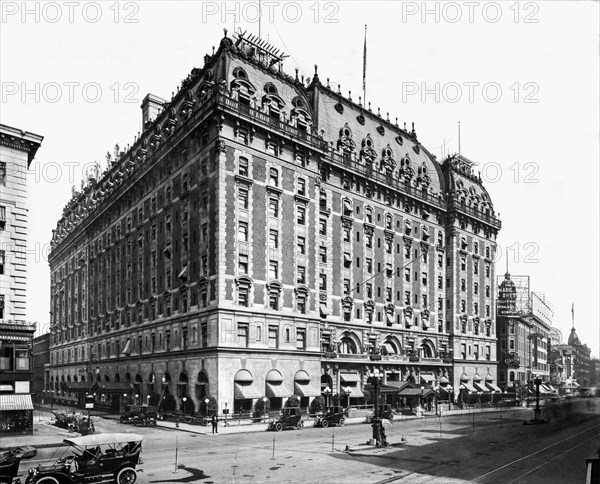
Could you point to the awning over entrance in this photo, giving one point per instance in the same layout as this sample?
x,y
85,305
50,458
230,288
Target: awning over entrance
x,y
277,390
492,386
113,387
355,391
349,377
16,401
416,392
399,385
467,386
6,388
444,380
305,389
545,389
552,388
243,392
382,389
77,387
480,386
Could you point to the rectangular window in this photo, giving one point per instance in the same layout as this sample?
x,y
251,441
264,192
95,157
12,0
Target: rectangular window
x,y
475,288
487,291
463,305
243,231
300,339
243,198
407,274
243,296
301,215
301,304
346,286
323,254
463,285
243,264
407,298
273,207
346,232
301,279
487,270
273,239
243,166
323,226
242,335
273,336
369,241
301,245
424,278
475,266
476,308
463,263
273,177
369,289
273,270
440,261
369,265
424,300
301,186
322,282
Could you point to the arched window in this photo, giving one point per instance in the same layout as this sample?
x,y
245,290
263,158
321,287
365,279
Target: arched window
x,y
348,346
512,376
202,387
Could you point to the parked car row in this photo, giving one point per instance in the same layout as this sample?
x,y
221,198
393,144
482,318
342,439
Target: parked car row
x,y
292,418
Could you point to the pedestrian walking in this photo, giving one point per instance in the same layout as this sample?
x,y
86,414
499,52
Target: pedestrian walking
x,y
214,421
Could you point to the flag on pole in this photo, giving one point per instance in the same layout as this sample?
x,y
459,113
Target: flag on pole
x,y
365,68
573,312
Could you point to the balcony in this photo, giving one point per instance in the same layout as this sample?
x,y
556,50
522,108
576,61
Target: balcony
x,y
462,207
266,121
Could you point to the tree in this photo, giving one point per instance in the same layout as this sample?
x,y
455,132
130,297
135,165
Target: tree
x,y
293,401
261,407
317,405
210,408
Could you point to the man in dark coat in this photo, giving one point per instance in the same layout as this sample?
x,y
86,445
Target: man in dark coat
x,y
214,421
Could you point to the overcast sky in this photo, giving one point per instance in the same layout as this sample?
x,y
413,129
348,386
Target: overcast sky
x,y
522,79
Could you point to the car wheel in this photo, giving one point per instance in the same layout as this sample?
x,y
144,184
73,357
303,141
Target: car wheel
x,y
342,422
127,475
47,480
324,423
279,427
300,425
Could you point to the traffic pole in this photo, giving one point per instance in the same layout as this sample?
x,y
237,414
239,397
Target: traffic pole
x,y
176,449
273,458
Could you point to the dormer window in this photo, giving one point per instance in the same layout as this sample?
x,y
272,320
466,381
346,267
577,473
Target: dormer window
x,y
270,88
240,73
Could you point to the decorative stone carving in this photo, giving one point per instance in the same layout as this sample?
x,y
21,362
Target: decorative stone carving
x,y
367,154
406,170
408,314
387,160
345,141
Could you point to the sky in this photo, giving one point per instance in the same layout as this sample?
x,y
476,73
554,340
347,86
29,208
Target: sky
x,y
521,78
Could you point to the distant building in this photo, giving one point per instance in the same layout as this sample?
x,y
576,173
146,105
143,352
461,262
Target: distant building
x,y
556,337
595,377
41,361
524,322
582,366
17,150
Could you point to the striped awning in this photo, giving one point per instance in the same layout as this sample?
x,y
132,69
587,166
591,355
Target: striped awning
x,y
493,387
243,392
305,389
15,337
347,377
480,386
16,401
467,386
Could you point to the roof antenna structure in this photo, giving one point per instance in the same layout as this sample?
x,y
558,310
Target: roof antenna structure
x,y
459,137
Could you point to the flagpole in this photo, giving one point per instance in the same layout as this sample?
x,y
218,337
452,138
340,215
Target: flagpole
x,y
365,70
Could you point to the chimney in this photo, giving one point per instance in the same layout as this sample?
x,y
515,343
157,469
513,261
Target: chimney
x,y
151,106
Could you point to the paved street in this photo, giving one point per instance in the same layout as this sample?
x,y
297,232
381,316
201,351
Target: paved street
x,y
472,447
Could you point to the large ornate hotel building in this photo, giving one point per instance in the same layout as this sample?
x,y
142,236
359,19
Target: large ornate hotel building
x,y
266,236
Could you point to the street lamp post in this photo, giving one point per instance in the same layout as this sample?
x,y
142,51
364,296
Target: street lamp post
x,y
206,401
377,426
184,400
327,392
348,392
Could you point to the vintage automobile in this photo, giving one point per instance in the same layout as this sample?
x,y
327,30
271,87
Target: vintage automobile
x,y
130,414
100,458
139,415
332,416
10,460
290,418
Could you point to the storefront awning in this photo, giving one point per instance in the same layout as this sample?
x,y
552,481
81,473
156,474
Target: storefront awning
x,y
355,391
552,389
277,390
427,377
16,401
349,377
416,392
467,386
305,389
480,386
492,386
6,388
444,380
382,389
244,392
